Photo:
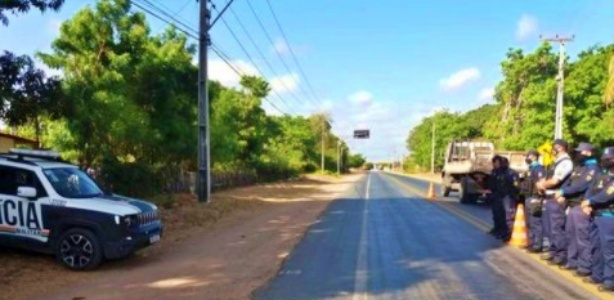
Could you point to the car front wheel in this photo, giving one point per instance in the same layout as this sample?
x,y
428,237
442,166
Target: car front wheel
x,y
79,249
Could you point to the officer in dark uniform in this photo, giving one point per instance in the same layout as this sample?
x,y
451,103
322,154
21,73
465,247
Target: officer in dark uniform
x,y
507,190
600,202
554,212
495,198
533,201
577,224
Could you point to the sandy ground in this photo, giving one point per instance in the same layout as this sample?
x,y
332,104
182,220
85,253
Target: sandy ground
x,y
222,250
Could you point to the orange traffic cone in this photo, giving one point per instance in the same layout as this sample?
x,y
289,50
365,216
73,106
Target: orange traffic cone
x,y
431,193
519,234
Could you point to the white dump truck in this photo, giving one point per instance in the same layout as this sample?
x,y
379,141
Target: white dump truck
x,y
468,164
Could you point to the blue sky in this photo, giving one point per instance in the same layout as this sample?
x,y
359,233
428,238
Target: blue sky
x,y
381,65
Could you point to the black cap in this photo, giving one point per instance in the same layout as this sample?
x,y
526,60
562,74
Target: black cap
x,y
608,153
585,147
533,152
562,142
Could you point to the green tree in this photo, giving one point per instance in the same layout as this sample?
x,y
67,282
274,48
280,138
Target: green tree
x,y
131,93
23,6
448,127
586,117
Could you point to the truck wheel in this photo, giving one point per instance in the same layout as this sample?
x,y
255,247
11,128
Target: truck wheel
x,y
79,249
462,193
446,191
447,185
466,197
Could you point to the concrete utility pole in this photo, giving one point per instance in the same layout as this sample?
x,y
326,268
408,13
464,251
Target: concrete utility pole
x,y
433,150
558,121
204,155
204,163
338,157
323,137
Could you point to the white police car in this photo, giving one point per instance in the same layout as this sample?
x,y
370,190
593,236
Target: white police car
x,y
50,206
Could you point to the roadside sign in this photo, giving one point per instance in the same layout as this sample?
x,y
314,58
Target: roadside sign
x,y
361,134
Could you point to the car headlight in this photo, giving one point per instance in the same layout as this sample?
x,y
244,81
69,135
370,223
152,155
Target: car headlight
x,y
128,221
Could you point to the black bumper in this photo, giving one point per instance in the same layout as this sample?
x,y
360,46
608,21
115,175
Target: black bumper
x,y
135,241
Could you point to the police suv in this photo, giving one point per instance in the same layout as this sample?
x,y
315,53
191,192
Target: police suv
x,y
50,206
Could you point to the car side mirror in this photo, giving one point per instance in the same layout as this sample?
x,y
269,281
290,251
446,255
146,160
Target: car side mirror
x,y
26,192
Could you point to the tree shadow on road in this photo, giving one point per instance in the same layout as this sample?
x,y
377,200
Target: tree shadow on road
x,y
410,244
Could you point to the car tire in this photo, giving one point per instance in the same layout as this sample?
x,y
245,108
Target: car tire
x,y
79,249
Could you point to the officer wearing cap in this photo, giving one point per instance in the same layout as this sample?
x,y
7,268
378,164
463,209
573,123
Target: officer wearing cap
x,y
577,223
553,215
498,212
506,189
600,203
533,202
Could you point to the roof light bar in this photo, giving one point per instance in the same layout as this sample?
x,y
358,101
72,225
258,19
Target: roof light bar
x,y
35,153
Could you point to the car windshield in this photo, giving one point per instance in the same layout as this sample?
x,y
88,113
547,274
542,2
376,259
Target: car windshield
x,y
72,183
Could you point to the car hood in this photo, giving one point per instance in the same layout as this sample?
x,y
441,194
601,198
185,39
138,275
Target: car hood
x,y
114,204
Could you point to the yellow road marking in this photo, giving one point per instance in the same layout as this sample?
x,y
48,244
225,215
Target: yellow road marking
x,y
590,288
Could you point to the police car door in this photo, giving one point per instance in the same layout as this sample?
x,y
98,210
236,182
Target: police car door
x,y
20,214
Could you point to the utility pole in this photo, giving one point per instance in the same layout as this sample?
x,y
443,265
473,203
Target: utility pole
x,y
338,157
204,154
433,150
558,119
204,163
323,136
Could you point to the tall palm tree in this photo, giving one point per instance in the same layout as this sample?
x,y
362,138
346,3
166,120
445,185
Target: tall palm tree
x,y
608,96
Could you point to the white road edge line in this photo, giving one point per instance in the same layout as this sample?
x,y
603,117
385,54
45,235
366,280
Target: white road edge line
x,y
360,279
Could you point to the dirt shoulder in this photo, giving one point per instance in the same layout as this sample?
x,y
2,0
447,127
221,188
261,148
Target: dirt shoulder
x,y
222,250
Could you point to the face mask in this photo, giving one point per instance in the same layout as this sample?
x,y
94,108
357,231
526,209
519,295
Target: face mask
x,y
581,159
528,161
607,164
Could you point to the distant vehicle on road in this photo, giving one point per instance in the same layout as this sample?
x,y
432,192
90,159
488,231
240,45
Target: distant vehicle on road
x,y
468,164
50,206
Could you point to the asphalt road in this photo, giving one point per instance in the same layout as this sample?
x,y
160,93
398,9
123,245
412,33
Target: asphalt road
x,y
383,241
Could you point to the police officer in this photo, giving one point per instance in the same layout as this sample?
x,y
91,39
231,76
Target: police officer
x,y
554,212
577,224
495,198
600,202
533,201
506,189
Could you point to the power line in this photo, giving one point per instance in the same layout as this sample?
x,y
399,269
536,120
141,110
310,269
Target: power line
x,y
270,39
283,34
168,15
263,57
227,60
176,13
249,57
192,35
185,31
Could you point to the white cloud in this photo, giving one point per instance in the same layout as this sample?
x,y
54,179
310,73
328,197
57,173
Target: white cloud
x,y
459,79
220,71
486,94
285,83
362,98
281,47
54,26
527,27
